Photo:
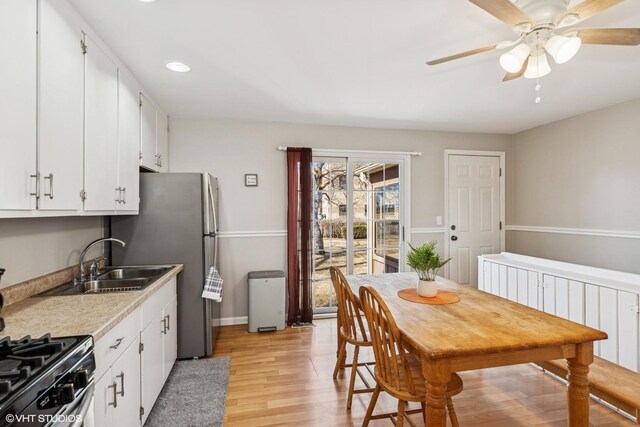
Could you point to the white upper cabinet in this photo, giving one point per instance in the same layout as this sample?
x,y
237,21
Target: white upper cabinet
x,y
147,134
128,190
154,137
162,146
74,127
60,107
101,130
18,104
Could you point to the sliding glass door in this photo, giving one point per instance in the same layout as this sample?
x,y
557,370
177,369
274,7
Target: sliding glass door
x,y
357,221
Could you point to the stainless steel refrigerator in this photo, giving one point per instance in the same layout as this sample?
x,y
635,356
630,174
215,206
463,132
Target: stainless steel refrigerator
x,y
178,223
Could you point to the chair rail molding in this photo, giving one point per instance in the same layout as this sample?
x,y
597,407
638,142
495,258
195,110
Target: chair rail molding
x,y
621,234
251,234
428,230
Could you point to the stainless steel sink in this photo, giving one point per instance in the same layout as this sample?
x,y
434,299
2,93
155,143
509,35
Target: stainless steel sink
x,y
105,286
114,279
133,273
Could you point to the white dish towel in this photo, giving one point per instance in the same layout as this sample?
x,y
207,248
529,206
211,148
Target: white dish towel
x,y
213,285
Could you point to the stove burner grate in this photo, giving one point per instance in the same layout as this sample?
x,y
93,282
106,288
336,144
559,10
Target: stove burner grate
x,y
20,359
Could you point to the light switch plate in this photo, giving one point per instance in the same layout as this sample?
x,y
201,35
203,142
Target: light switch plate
x,y
439,220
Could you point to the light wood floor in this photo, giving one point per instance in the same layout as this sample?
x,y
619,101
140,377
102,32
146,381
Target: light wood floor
x,y
284,378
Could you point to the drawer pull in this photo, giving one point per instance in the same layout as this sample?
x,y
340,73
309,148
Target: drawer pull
x,y
115,395
117,344
121,376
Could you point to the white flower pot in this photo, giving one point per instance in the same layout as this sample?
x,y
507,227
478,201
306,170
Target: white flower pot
x,y
427,288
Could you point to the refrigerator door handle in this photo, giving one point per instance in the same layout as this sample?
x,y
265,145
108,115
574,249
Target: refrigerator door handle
x,y
212,206
215,251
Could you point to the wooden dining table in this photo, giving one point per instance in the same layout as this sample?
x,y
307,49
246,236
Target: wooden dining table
x,y
484,331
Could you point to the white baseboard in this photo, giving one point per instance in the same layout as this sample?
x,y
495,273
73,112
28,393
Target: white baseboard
x,y
228,321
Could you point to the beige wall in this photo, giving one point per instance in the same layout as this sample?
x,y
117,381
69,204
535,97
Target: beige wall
x,y
582,172
31,247
229,149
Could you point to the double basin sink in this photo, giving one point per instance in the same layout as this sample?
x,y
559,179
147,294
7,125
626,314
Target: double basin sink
x,y
114,279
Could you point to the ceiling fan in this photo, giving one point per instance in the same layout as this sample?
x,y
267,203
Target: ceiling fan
x,y
540,27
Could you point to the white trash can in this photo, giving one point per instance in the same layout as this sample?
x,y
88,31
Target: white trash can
x,y
267,291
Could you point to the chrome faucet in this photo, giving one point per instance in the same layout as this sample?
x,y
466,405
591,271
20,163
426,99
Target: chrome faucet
x,y
83,276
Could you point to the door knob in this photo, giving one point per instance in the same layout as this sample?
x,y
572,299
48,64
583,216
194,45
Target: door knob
x,y
454,238
453,227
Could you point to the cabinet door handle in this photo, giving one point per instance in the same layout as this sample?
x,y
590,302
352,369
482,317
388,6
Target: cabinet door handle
x,y
50,193
37,177
121,376
160,160
115,395
164,325
118,195
168,322
124,195
117,344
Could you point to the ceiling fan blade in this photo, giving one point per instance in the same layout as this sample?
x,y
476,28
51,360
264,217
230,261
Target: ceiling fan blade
x,y
513,76
461,55
587,9
611,36
504,10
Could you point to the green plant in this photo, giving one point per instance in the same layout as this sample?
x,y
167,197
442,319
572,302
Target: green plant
x,y
425,260
359,231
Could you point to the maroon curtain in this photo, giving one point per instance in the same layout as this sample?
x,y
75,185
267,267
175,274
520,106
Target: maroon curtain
x,y
299,235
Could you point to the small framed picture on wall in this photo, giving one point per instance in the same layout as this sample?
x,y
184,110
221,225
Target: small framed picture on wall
x,y
251,179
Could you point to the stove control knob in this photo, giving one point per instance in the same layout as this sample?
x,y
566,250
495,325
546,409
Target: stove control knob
x,y
79,379
65,394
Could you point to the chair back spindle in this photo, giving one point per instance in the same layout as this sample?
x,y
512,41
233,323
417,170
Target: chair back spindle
x,y
388,350
348,308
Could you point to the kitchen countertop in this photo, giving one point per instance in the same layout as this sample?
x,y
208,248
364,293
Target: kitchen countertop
x,y
86,314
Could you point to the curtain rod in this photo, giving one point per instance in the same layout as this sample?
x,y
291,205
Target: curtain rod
x,y
321,150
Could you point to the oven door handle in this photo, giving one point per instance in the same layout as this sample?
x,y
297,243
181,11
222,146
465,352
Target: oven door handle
x,y
85,405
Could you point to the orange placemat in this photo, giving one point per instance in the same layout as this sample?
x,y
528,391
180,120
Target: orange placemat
x,y
443,297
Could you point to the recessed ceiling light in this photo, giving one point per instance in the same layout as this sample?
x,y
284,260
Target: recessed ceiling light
x,y
178,67
146,1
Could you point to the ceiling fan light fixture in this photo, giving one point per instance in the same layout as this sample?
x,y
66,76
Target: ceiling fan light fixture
x,y
512,61
562,48
538,67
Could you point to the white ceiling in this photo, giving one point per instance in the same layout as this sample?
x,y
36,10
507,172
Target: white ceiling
x,y
354,62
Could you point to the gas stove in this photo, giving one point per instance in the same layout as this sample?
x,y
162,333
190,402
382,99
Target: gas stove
x,y
44,378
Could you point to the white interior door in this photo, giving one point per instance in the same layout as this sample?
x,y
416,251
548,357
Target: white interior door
x,y
474,219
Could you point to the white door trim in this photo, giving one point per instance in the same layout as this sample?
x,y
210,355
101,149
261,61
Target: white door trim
x,y
447,224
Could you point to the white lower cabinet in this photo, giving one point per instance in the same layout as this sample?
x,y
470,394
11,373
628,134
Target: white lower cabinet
x,y
170,339
134,359
152,361
117,393
159,343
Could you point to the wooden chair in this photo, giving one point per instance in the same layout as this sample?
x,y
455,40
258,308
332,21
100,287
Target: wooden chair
x,y
397,372
351,330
